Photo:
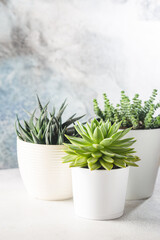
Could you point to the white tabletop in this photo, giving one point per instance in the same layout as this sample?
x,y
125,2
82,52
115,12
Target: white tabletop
x,y
23,218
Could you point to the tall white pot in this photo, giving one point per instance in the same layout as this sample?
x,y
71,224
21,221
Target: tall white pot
x,y
43,173
142,179
99,194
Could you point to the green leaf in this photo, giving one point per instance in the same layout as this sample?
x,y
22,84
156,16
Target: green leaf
x,y
69,158
97,135
94,166
89,130
87,139
39,103
92,160
96,154
119,162
116,136
24,134
35,139
131,163
107,153
81,161
107,159
77,141
106,165
106,142
98,146
124,132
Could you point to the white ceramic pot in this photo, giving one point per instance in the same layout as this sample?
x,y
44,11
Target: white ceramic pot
x,y
142,179
43,173
99,194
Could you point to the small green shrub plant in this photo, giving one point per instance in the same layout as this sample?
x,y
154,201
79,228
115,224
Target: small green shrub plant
x,y
133,113
100,145
47,127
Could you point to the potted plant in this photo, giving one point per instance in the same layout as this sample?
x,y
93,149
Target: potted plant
x,y
40,149
146,130
100,194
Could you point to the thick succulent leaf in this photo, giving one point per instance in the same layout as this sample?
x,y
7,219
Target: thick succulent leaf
x,y
71,121
127,144
87,139
120,156
90,133
104,130
119,162
69,151
120,150
93,126
69,158
124,132
132,158
31,124
88,149
27,128
106,165
94,166
77,141
61,110
81,161
106,142
18,133
35,139
92,160
98,146
74,147
107,153
72,164
96,154
97,135
39,103
131,163
123,141
24,134
95,122
107,159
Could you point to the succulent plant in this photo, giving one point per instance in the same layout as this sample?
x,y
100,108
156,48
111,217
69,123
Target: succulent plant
x,y
48,127
100,146
132,113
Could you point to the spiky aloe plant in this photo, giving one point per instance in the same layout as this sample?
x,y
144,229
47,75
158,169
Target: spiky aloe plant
x,y
101,146
133,113
48,127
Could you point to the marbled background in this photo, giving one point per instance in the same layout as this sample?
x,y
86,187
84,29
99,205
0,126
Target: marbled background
x,y
76,49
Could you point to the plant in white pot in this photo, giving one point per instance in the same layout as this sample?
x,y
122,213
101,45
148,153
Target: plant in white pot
x,y
40,149
146,130
100,194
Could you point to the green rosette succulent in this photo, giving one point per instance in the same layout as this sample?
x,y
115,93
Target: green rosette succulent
x,y
101,145
48,127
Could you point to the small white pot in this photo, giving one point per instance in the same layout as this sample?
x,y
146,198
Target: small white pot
x,y
142,179
99,194
43,173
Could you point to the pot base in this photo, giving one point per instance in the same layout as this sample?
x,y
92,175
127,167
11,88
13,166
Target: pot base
x,y
102,218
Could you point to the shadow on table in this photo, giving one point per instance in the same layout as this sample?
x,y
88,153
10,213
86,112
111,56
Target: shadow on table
x,y
131,206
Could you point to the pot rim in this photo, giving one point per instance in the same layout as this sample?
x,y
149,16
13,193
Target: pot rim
x,y
100,170
143,129
41,145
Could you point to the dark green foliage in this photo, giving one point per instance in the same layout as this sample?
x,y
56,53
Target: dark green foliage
x,y
100,146
47,128
132,113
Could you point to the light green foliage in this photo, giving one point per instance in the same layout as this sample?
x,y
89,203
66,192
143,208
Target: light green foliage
x,y
132,113
100,145
48,127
